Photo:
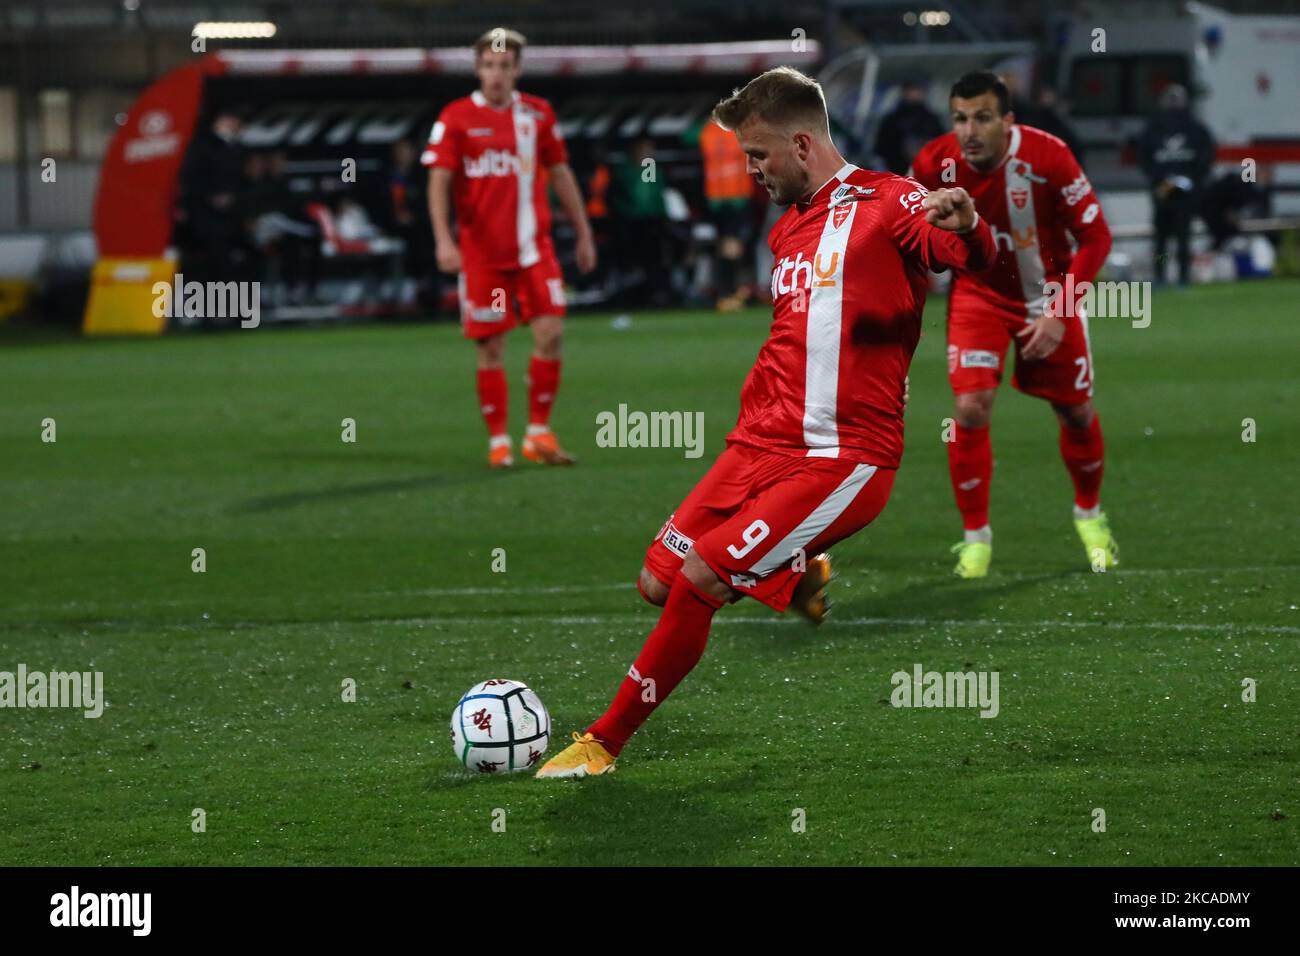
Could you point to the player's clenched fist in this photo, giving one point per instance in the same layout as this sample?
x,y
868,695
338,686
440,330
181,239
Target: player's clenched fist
x,y
950,209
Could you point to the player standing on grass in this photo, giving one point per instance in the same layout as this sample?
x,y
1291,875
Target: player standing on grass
x,y
820,435
494,151
1030,189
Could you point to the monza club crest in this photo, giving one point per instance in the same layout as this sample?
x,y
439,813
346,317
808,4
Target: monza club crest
x,y
1020,197
839,214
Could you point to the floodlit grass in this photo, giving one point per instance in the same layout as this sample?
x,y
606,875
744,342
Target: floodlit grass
x,y
372,561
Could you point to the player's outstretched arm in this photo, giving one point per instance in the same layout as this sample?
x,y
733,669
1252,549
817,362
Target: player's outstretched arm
x,y
943,230
950,209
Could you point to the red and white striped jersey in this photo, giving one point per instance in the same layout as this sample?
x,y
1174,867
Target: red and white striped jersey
x,y
498,159
1034,200
848,288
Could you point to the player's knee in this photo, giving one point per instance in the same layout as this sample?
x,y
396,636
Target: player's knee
x,y
974,409
547,332
704,577
491,351
1076,417
652,589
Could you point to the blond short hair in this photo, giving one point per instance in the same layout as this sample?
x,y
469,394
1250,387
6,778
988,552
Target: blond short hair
x,y
779,97
500,39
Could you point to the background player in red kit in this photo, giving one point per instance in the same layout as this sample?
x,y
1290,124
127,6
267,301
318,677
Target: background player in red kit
x,y
493,152
1030,189
812,458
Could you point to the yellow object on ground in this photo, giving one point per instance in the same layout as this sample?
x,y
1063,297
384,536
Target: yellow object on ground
x,y
122,298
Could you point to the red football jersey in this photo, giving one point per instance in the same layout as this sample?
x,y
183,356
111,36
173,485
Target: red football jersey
x,y
498,158
848,288
1035,199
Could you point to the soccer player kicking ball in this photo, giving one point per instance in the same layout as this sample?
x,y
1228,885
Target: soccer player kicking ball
x,y
813,456
492,151
1031,191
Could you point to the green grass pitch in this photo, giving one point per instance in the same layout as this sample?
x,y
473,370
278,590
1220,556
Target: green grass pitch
x,y
373,561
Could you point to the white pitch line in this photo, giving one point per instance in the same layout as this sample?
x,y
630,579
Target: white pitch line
x,y
1031,625
1131,572
417,592
787,622
629,585
832,621
503,592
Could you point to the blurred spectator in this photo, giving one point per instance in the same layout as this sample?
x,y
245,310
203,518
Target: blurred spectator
x,y
1020,104
286,240
906,128
353,223
1045,114
1226,199
636,200
365,245
596,178
728,188
409,209
1175,152
210,180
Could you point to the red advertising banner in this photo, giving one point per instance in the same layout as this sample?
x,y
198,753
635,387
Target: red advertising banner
x,y
139,178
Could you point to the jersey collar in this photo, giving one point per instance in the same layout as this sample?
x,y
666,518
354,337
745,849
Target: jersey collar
x,y
480,100
823,194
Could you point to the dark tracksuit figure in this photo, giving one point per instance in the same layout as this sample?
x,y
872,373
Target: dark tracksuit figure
x,y
1176,153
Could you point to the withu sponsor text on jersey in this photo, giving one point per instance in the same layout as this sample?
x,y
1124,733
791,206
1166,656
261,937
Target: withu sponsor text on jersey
x,y
495,162
800,273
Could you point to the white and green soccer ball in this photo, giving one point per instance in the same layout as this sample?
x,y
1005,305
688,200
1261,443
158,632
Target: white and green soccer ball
x,y
500,726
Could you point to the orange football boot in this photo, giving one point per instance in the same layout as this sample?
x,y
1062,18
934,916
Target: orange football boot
x,y
544,448
809,597
501,453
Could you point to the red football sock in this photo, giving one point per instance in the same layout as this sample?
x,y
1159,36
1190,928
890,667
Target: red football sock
x,y
493,399
671,650
970,465
543,383
1083,451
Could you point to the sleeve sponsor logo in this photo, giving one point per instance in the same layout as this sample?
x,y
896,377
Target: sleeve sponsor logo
x,y
1076,191
1091,213
912,201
